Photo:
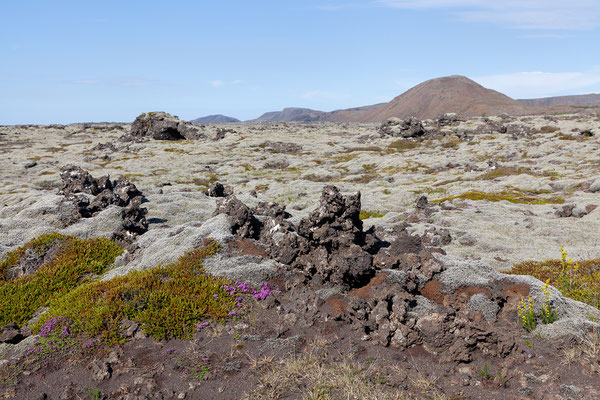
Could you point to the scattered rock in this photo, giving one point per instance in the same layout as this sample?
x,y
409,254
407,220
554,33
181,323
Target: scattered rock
x,y
281,147
595,186
406,128
105,146
448,119
30,164
216,189
572,210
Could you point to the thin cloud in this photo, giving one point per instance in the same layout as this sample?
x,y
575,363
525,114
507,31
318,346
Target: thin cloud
x,y
218,83
323,95
545,36
521,14
520,85
122,82
341,6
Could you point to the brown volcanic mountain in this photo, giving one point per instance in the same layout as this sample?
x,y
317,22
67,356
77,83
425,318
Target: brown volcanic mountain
x,y
430,99
457,94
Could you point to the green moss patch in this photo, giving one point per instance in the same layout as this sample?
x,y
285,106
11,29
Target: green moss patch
x,y
365,214
513,196
508,171
168,301
73,262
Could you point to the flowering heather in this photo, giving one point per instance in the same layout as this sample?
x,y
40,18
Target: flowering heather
x,y
57,326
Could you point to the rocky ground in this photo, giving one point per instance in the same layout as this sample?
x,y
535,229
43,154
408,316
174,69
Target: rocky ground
x,y
390,293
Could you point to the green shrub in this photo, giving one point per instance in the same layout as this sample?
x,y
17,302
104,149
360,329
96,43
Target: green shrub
x,y
168,301
75,260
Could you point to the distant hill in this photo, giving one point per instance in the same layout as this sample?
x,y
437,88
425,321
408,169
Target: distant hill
x,y
293,114
215,119
456,94
591,99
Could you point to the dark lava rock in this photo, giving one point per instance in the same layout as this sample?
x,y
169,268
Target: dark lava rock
x,y
162,126
448,119
242,221
406,128
216,189
78,180
384,281
12,334
86,196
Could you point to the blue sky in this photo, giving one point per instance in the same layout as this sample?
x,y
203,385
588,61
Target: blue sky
x,y
75,61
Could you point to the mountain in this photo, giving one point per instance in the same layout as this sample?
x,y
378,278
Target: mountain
x,y
215,119
293,114
592,99
430,99
456,94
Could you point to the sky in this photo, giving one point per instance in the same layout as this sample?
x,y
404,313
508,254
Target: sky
x,y
106,60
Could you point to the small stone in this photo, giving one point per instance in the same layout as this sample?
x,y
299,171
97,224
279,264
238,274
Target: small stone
x,y
101,370
570,389
525,391
595,186
579,211
30,164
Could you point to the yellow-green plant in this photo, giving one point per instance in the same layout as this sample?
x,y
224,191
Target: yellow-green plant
x,y
568,270
579,281
527,314
548,314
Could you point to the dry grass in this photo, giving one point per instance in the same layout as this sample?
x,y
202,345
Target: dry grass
x,y
586,352
403,144
313,375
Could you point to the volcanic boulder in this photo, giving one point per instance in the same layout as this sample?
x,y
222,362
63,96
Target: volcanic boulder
x,y
162,126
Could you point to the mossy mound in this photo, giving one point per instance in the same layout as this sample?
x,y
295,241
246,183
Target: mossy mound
x,y
74,262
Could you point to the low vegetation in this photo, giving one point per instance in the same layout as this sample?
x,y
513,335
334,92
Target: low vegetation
x,y
167,301
511,195
579,281
67,263
403,144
